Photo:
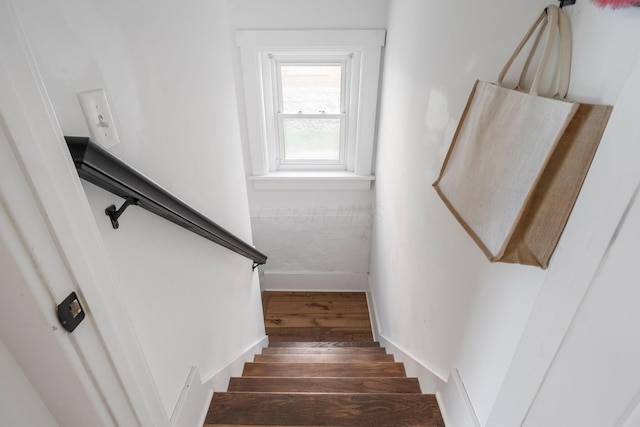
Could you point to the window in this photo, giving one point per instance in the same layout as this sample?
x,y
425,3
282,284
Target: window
x,y
311,100
311,114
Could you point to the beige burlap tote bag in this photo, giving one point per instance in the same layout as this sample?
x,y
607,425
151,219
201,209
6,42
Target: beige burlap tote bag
x,y
518,160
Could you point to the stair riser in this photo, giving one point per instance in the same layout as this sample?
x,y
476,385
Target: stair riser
x,y
324,385
323,350
321,344
323,358
375,369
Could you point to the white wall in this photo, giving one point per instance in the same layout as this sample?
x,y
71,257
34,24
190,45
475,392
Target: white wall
x,y
166,69
328,232
20,403
436,295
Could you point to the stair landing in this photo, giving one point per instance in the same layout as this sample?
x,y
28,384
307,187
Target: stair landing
x,y
317,316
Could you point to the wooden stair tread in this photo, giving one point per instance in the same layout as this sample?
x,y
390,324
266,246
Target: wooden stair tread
x,y
323,350
324,385
324,409
324,344
319,333
373,369
322,358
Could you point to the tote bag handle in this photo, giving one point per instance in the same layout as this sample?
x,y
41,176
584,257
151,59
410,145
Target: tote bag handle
x,y
549,21
564,56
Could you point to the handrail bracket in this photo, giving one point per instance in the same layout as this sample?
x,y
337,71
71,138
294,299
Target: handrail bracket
x,y
114,214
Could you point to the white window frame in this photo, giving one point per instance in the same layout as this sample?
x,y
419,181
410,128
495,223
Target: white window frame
x,y
282,164
258,50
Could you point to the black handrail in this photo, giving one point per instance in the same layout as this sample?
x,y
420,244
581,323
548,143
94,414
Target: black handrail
x,y
98,166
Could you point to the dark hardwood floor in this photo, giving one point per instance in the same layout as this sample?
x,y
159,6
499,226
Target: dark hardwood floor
x,y
317,316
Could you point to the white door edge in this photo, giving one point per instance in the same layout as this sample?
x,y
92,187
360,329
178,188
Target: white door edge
x,y
106,355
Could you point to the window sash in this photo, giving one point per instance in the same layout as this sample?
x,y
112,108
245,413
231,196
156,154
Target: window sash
x,y
344,63
338,164
277,61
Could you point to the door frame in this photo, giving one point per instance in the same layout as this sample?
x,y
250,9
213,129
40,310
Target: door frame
x,y
48,227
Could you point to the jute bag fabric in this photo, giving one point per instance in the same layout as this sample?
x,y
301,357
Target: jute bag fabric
x,y
518,160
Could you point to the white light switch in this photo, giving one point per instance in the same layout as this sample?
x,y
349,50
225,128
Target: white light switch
x,y
99,118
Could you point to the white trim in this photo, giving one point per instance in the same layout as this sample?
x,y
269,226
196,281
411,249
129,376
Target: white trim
x,y
631,416
39,337
220,380
193,402
344,62
370,58
430,378
314,281
319,38
195,398
365,46
455,404
372,312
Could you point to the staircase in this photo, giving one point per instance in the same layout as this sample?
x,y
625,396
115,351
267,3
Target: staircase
x,y
322,383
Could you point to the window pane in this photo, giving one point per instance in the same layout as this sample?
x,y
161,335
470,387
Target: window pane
x,y
311,139
311,88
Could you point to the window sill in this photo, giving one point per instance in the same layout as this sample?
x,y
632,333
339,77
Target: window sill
x,y
336,181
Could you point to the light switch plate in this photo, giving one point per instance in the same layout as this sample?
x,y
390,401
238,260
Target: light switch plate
x,y
99,118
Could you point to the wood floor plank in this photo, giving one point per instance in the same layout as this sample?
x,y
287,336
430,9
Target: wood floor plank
x,y
382,410
317,316
310,296
323,385
323,344
324,350
322,358
319,334
374,369
319,307
359,320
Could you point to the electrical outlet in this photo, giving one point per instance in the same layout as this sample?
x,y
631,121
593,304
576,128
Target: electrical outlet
x,y
99,118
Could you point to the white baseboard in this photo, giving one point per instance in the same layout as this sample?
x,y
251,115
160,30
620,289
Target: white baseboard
x,y
193,402
375,331
455,404
373,311
430,379
220,380
313,281
195,397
